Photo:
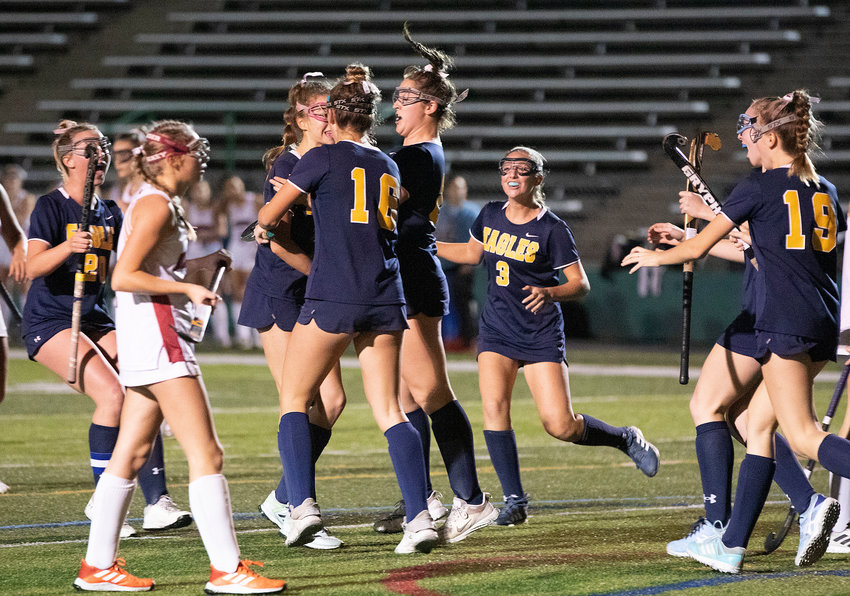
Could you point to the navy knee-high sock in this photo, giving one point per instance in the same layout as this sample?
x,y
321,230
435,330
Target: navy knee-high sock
x,y
101,444
715,455
319,437
419,419
405,449
501,444
152,474
293,439
597,432
754,477
834,455
453,434
789,475
280,492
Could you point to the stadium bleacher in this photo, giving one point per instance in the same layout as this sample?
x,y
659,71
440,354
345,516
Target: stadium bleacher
x,y
595,86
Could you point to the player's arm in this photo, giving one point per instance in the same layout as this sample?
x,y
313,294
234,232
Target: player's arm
x,y
576,286
287,249
151,216
689,250
458,252
13,236
690,203
272,212
43,259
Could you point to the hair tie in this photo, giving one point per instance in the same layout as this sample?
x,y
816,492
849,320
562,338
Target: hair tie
x,y
61,131
310,74
461,96
137,150
789,96
430,68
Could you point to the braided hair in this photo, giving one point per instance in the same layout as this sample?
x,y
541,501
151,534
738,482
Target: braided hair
x,y
799,135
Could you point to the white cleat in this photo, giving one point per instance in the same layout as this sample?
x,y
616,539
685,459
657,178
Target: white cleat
x,y
165,515
420,535
302,523
464,519
278,513
126,529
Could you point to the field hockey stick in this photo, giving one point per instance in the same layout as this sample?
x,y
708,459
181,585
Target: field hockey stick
x,y
199,323
694,160
774,539
80,276
248,233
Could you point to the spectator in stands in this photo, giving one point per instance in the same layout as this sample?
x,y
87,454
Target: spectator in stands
x,y
128,179
210,222
241,207
456,217
14,239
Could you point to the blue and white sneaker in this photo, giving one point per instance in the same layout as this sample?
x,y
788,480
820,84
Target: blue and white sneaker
x,y
514,512
701,530
839,543
715,554
642,452
816,524
278,513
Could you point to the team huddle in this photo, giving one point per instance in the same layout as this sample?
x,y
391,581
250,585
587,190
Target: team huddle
x,y
347,255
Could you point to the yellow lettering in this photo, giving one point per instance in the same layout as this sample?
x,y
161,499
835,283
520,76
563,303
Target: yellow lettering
x,y
520,250
493,236
509,252
502,244
531,253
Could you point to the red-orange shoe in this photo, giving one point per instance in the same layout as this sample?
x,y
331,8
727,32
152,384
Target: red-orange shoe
x,y
113,579
242,581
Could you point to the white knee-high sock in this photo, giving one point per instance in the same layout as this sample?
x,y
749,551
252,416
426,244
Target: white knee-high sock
x,y
209,499
842,493
111,501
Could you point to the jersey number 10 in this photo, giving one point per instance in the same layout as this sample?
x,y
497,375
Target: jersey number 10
x,y
387,206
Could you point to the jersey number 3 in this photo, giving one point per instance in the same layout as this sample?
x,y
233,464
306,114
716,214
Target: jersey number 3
x,y
388,205
823,238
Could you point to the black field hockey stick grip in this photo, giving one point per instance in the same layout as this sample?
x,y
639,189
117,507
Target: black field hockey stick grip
x,y
7,298
248,233
199,323
79,275
687,294
774,539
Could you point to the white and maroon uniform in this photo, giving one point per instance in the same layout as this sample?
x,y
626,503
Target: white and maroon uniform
x,y
149,347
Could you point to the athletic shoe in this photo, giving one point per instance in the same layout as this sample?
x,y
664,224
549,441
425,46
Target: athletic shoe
x,y
3,487
242,581
126,529
642,452
701,530
165,515
303,521
277,513
715,554
113,579
420,535
392,523
514,512
839,542
815,529
464,519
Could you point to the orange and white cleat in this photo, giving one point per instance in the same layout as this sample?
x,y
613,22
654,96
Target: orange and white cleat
x,y
242,581
113,579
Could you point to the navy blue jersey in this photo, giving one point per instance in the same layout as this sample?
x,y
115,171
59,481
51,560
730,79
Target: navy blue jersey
x,y
530,254
271,275
423,169
794,229
55,219
354,190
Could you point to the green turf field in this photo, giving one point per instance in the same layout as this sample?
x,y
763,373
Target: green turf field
x,y
597,525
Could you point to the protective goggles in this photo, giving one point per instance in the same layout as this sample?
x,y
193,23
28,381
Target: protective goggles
x,y
317,111
199,148
407,96
745,122
79,147
521,166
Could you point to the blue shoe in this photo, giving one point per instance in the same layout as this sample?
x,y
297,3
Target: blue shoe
x,y
715,554
642,452
815,529
701,530
514,512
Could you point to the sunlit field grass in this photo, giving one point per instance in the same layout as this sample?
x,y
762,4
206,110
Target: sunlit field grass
x,y
597,525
